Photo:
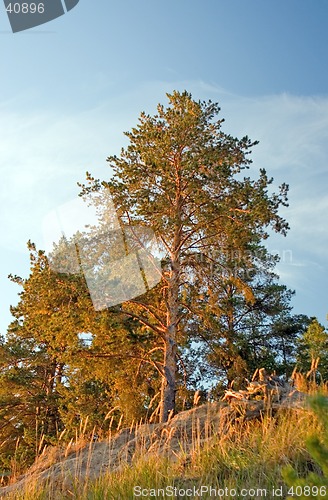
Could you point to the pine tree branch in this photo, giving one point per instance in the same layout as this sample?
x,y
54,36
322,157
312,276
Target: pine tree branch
x,y
148,309
159,331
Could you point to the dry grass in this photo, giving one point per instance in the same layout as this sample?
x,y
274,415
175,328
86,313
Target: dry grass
x,y
205,446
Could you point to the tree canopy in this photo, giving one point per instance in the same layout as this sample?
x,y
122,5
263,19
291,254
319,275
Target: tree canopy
x,y
180,175
171,290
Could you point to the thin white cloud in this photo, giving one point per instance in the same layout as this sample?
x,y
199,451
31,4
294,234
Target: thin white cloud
x,y
44,153
41,159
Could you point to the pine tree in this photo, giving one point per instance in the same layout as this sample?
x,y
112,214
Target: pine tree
x,y
312,352
66,361
181,176
36,353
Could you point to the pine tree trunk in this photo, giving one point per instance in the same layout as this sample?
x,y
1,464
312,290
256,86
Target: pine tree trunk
x,y
170,342
170,346
169,380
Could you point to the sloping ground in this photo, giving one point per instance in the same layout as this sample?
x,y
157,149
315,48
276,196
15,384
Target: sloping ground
x,y
179,435
59,469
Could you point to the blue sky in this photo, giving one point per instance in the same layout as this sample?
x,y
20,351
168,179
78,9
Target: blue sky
x,y
69,89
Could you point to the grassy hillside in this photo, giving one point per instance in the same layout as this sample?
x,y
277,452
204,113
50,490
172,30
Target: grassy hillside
x,y
212,446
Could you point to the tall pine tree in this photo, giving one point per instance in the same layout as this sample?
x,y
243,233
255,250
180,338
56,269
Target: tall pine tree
x,y
181,176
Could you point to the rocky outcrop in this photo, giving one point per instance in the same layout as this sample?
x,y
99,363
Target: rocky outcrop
x,y
272,391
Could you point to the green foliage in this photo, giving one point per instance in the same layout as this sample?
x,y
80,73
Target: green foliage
x,y
63,363
312,351
28,401
314,485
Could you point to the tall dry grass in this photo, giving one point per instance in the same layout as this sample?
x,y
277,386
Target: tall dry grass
x,y
243,455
